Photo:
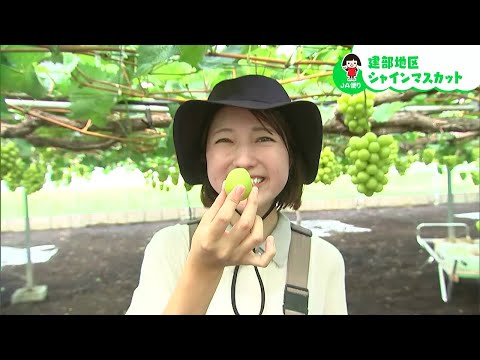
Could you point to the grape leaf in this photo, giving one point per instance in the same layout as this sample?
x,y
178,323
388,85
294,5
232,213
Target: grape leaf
x,y
192,54
3,106
150,56
92,104
20,80
382,113
23,60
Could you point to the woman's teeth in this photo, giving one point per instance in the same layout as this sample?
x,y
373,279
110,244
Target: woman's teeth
x,y
257,180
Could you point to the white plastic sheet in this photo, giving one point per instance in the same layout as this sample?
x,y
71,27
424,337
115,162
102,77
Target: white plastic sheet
x,y
18,256
324,228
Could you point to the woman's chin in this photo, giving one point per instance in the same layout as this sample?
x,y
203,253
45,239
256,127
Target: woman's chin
x,y
261,210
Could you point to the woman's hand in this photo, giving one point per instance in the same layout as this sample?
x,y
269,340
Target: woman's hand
x,y
213,246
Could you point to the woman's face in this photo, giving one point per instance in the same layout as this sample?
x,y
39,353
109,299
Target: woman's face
x,y
237,139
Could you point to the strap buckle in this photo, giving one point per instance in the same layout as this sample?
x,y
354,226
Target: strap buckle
x,y
295,300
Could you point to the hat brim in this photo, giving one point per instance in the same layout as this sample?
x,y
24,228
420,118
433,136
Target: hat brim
x,y
189,122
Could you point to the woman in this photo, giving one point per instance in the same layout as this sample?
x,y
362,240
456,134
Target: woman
x,y
236,263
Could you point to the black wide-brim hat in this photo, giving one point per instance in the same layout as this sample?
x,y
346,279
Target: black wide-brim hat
x,y
251,92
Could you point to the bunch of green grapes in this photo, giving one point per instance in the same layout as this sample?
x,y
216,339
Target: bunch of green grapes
x,y
404,162
449,160
174,172
428,155
188,187
152,178
159,176
9,155
370,159
34,177
356,110
328,168
13,178
393,152
475,176
163,172
475,154
476,173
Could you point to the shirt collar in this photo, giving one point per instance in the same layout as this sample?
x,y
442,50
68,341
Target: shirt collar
x,y
282,235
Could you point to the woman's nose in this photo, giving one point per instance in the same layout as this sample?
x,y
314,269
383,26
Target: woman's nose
x,y
244,157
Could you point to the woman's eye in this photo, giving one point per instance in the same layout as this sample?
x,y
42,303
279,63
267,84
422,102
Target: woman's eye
x,y
265,138
222,140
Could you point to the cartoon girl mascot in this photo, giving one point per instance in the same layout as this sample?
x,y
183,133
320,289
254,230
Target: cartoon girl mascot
x,y
350,64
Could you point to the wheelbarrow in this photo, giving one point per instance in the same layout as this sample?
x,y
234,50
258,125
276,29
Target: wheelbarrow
x,y
456,257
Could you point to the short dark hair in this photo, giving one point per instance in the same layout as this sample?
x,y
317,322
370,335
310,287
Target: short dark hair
x,y
350,57
291,195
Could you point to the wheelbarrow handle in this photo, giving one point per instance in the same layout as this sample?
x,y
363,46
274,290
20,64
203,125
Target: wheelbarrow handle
x,y
446,225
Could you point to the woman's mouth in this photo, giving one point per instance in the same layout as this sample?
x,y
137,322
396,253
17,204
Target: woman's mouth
x,y
256,181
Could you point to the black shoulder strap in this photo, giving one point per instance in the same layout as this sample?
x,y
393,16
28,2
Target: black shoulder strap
x,y
295,300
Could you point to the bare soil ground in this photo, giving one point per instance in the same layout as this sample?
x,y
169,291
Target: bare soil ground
x,y
97,268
